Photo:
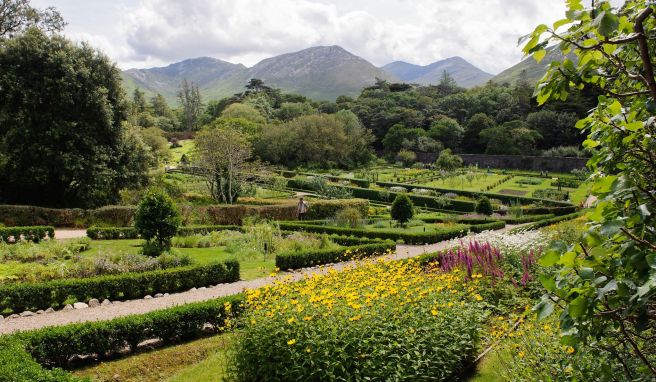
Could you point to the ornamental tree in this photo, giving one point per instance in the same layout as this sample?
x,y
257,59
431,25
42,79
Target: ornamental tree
x,y
402,209
606,284
157,221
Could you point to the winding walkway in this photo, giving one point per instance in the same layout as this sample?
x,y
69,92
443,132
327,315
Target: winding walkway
x,y
141,306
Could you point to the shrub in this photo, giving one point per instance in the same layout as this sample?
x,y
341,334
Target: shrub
x,y
56,346
35,233
13,215
115,216
484,206
406,157
17,365
157,221
304,259
351,217
402,209
97,233
367,329
19,297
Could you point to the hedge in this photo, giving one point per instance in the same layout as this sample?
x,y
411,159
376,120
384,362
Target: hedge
x,y
526,219
558,211
99,233
502,197
487,226
30,233
18,297
408,238
388,196
547,222
17,365
304,259
17,215
56,346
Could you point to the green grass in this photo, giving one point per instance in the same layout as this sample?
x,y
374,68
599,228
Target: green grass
x,y
487,369
186,147
200,360
474,182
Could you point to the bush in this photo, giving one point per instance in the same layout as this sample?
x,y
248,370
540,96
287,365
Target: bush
x,y
19,297
17,365
406,157
304,259
56,346
402,209
547,222
34,234
484,206
12,215
351,217
157,221
97,233
115,216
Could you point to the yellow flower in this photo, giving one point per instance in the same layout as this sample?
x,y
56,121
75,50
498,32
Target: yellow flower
x,y
521,354
355,318
307,318
308,350
478,297
291,342
569,350
291,320
434,312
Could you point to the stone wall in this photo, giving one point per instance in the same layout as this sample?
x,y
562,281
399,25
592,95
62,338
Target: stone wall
x,y
514,162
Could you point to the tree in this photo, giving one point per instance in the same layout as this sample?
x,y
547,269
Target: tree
x,y
16,16
471,138
397,134
223,156
448,161
191,102
510,138
154,138
243,111
250,130
160,106
557,129
448,131
291,110
61,125
402,209
138,101
157,221
484,206
606,283
406,157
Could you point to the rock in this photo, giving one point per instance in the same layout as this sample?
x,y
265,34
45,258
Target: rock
x,y
148,297
1,317
80,305
27,313
40,311
202,288
158,295
94,303
68,307
14,316
50,310
194,288
166,294
106,302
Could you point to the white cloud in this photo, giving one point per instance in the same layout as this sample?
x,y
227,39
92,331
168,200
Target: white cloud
x,y
150,32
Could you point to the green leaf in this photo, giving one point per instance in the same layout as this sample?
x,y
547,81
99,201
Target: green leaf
x,y
578,306
560,23
608,24
634,126
548,282
568,259
539,55
544,308
615,107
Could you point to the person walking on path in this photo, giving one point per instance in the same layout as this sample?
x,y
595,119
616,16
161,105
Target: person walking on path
x,y
302,208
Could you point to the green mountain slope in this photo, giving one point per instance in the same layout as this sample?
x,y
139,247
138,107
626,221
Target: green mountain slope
x,y
464,73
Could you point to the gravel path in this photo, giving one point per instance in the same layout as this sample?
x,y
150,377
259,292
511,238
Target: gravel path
x,y
141,306
63,233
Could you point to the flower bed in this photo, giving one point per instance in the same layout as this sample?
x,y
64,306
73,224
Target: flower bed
x,y
303,259
30,233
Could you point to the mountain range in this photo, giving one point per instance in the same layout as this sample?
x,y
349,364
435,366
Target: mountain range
x,y
322,73
530,69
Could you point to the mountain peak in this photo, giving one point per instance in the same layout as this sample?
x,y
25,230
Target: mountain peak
x,y
464,73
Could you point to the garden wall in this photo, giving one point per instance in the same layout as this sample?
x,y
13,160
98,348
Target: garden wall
x,y
514,162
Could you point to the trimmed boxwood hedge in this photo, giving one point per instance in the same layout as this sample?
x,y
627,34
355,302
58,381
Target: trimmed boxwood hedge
x,y
304,259
99,233
30,233
526,218
407,237
547,222
477,228
55,346
558,211
17,365
19,297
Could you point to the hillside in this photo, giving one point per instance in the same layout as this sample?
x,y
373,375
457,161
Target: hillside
x,y
323,73
534,70
464,73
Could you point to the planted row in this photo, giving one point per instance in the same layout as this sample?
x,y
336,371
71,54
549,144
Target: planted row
x,y
20,297
100,233
304,259
547,222
30,233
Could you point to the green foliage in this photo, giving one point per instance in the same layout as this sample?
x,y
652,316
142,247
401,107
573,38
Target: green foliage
x,y
19,297
30,233
99,233
448,131
510,138
157,221
17,365
406,157
483,206
398,134
55,346
402,209
350,217
606,283
77,149
448,161
305,258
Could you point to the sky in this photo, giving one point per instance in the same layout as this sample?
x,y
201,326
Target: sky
x,y
148,33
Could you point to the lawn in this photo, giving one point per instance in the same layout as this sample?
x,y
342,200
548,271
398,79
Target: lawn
x,y
186,147
477,181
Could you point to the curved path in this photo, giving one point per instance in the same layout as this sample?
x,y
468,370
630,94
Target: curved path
x,y
125,308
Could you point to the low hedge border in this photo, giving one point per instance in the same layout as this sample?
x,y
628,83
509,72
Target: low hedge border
x,y
408,238
29,233
20,297
56,346
17,365
546,222
100,233
477,228
526,219
302,259
558,211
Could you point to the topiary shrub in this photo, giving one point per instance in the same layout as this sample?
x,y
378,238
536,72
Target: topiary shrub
x,y
484,206
349,216
402,209
157,221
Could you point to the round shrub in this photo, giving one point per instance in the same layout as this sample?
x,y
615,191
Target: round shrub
x,y
484,206
349,216
157,221
402,209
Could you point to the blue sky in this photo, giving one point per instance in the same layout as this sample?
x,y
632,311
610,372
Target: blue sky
x,y
146,33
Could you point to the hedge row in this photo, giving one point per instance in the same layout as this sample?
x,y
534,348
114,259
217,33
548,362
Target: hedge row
x,y
487,226
99,233
526,218
407,237
56,346
504,198
15,215
19,297
547,222
388,196
17,365
30,233
364,183
302,259
558,211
